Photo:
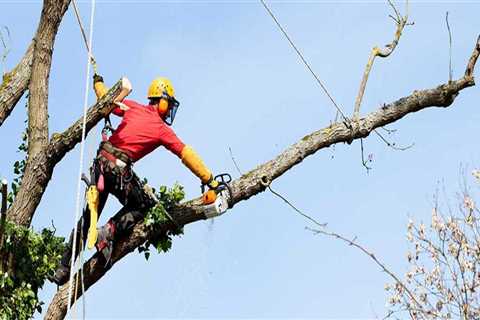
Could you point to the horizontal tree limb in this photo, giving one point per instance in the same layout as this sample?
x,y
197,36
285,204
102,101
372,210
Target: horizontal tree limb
x,y
258,179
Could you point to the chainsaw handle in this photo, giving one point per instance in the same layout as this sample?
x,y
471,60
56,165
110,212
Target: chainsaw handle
x,y
222,179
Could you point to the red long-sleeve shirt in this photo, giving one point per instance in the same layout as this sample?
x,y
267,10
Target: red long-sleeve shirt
x,y
142,130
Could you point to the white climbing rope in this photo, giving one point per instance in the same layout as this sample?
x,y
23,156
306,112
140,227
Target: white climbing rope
x,y
82,147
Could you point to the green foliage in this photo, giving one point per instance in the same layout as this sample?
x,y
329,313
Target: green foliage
x,y
29,258
167,198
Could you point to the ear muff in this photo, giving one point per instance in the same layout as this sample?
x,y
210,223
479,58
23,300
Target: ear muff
x,y
163,106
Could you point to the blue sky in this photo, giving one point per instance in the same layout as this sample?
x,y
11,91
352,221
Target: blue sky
x,y
241,86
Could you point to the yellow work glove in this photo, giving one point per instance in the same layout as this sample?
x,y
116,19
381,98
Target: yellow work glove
x,y
193,162
98,86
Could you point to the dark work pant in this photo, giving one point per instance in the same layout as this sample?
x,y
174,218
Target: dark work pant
x,y
127,188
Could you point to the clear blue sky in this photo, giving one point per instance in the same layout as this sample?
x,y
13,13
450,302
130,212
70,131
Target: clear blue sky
x,y
241,86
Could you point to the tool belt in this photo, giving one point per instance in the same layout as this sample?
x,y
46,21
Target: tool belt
x,y
112,153
115,161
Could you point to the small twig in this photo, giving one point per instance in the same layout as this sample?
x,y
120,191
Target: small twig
x,y
388,131
53,226
364,162
450,71
267,184
322,225
394,19
399,17
473,59
369,254
6,46
393,144
235,162
401,22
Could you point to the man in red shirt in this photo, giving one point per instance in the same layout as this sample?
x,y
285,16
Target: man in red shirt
x,y
143,129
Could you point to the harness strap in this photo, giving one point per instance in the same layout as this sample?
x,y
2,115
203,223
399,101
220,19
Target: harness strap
x,y
117,153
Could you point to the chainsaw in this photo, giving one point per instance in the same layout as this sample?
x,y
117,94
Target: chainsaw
x,y
217,201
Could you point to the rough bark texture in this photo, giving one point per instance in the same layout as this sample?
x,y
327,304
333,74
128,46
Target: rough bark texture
x,y
52,13
14,84
42,164
259,178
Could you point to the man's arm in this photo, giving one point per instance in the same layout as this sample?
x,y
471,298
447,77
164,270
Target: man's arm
x,y
193,162
101,89
188,156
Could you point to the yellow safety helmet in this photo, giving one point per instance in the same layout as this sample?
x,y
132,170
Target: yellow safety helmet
x,y
159,87
167,107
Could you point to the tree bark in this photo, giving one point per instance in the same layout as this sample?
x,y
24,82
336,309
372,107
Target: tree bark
x,y
14,84
36,179
52,14
258,179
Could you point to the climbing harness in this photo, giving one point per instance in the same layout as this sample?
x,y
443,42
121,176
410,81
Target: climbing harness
x,y
90,61
307,65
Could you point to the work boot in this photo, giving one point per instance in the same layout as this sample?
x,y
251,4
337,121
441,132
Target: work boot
x,y
104,242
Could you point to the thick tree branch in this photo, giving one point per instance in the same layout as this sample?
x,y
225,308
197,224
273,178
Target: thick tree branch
x,y
258,179
14,84
42,164
52,14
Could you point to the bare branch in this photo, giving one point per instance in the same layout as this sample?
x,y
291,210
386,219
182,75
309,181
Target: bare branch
x,y
234,162
383,53
450,71
371,255
257,180
473,60
6,46
393,145
389,131
364,162
321,225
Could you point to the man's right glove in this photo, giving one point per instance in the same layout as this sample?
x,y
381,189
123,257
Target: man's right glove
x,y
211,195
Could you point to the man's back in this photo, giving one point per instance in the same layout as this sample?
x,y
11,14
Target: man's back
x,y
142,131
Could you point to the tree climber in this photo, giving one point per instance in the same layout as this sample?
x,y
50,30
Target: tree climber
x,y
143,128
